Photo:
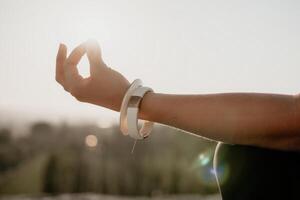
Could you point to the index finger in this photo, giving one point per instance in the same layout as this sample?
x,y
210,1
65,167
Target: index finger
x,y
60,59
70,67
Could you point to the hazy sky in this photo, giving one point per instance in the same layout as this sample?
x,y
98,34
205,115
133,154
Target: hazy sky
x,y
174,46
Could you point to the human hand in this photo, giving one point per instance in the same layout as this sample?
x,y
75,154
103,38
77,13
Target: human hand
x,y
105,87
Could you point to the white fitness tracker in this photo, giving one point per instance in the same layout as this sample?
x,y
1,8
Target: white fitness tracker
x,y
123,111
129,112
132,115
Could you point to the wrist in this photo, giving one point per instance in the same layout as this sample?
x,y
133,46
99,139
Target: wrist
x,y
147,107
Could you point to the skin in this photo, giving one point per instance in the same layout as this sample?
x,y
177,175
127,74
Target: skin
x,y
265,120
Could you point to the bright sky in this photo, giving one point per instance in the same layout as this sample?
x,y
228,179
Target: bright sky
x,y
174,46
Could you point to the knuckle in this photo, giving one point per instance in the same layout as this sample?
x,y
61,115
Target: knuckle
x,y
74,91
79,98
58,79
65,88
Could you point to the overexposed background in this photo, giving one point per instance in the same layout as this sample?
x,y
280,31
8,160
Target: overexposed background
x,y
174,46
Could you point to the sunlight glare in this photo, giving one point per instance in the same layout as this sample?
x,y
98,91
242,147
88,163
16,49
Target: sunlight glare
x,y
105,123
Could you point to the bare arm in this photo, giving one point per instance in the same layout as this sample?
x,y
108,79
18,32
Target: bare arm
x,y
266,120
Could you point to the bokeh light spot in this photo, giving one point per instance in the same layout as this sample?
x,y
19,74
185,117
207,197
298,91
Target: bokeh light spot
x,y
91,141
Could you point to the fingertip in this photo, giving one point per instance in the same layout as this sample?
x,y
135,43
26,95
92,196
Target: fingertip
x,y
62,46
62,50
92,44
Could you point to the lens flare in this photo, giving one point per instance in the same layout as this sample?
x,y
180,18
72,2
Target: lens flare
x,y
223,172
204,159
203,167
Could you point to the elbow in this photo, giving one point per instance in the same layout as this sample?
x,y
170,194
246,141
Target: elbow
x,y
291,140
296,109
285,144
291,144
296,146
296,136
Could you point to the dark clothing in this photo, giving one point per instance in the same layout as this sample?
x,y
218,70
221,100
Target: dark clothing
x,y
257,173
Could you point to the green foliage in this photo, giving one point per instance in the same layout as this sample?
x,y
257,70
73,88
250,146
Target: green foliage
x,y
26,178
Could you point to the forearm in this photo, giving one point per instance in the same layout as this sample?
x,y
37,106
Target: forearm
x,y
267,120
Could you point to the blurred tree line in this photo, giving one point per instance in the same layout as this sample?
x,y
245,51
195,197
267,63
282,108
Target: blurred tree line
x,y
165,163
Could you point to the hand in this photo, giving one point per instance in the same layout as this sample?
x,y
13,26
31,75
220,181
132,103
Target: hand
x,y
105,87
